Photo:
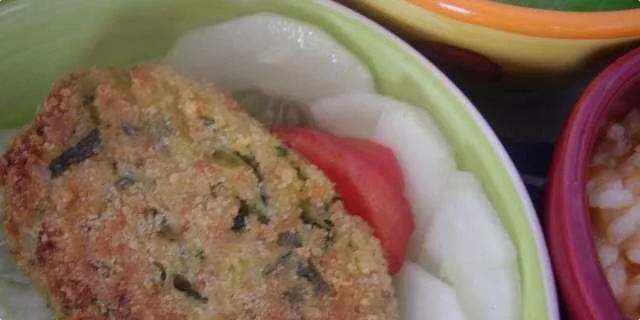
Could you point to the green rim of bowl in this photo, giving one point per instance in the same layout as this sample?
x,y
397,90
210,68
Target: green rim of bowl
x,y
45,39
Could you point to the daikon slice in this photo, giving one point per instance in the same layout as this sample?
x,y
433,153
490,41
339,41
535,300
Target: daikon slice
x,y
421,296
20,300
425,158
489,293
274,53
351,115
5,138
467,245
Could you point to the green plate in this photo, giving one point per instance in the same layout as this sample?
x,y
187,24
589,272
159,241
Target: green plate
x,y
577,5
45,39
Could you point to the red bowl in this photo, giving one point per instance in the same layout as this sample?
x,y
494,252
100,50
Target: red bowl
x,y
581,280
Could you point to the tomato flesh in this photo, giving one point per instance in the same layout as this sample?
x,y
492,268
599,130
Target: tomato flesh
x,y
379,157
369,180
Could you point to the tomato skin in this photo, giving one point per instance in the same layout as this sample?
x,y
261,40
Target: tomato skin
x,y
369,180
379,156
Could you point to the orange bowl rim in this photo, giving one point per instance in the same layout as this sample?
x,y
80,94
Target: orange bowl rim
x,y
539,22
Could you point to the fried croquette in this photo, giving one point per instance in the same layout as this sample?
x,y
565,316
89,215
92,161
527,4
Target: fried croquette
x,y
143,194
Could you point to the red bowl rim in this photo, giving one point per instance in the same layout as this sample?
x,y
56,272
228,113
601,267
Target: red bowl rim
x,y
581,280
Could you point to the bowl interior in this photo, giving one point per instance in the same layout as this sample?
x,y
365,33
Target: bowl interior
x,y
123,32
609,97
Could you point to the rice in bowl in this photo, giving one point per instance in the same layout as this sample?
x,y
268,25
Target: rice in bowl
x,y
613,191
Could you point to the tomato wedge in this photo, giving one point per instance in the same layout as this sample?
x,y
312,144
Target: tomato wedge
x,y
378,156
369,180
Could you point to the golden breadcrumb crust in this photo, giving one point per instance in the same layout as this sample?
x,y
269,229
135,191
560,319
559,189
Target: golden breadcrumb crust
x,y
142,194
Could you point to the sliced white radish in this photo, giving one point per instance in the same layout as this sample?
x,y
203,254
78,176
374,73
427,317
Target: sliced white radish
x,y
466,219
19,299
271,52
338,115
5,138
467,245
489,294
421,296
423,154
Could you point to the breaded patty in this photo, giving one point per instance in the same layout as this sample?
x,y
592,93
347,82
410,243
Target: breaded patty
x,y
141,194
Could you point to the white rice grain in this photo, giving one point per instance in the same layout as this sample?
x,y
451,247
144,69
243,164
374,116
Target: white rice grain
x,y
631,164
633,255
624,226
633,121
631,300
608,255
617,277
600,178
632,182
612,195
616,132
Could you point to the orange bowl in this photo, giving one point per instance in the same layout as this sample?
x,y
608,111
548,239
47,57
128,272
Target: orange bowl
x,y
538,22
523,42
